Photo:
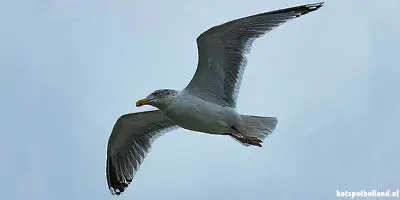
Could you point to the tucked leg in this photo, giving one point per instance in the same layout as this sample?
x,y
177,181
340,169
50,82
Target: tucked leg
x,y
252,141
245,139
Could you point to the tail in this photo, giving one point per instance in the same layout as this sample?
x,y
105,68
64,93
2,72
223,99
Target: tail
x,y
259,127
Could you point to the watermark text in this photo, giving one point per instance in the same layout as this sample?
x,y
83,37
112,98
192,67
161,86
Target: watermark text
x,y
367,193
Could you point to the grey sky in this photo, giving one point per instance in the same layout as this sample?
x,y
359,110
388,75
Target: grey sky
x,y
69,69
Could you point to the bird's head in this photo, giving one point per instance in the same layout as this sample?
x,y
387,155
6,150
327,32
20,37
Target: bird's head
x,y
159,98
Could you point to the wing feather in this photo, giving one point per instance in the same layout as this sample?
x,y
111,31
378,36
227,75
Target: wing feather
x,y
222,50
129,143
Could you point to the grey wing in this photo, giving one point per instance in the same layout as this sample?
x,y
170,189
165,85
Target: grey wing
x,y
222,50
129,143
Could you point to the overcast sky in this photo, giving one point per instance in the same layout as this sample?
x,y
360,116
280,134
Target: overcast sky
x,y
70,68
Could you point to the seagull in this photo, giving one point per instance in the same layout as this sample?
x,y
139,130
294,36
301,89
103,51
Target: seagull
x,y
207,104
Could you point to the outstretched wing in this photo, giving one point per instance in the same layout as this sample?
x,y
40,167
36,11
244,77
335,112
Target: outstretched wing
x,y
129,143
222,50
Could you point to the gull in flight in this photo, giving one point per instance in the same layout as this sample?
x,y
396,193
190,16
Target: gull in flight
x,y
207,104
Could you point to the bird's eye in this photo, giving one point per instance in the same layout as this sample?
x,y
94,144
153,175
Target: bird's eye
x,y
156,93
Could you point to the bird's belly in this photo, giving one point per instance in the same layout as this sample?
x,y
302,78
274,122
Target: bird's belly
x,y
200,125
211,119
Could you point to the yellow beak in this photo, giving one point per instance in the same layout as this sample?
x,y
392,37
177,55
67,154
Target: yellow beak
x,y
142,102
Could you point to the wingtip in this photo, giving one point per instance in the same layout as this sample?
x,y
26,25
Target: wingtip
x,y
315,6
115,186
307,8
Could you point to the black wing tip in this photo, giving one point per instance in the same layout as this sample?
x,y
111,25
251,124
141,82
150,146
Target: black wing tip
x,y
314,6
299,10
116,186
304,9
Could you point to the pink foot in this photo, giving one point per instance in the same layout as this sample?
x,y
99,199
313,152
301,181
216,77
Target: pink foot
x,y
252,141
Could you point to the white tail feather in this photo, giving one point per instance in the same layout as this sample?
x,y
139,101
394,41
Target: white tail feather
x,y
259,127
